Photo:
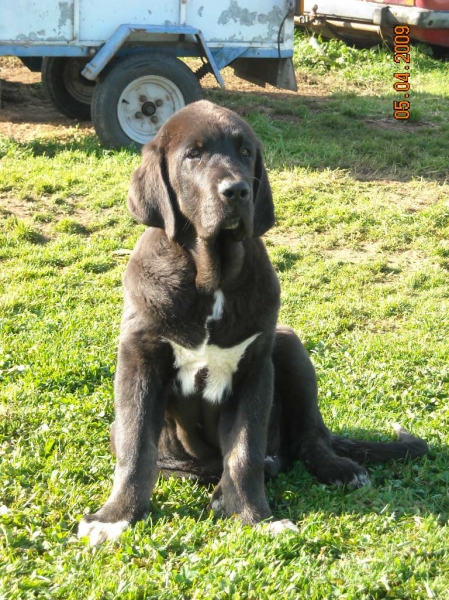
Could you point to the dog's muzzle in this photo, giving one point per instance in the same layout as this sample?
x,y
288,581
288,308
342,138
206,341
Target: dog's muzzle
x,y
237,195
234,191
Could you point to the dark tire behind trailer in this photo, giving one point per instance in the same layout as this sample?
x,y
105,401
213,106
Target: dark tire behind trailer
x,y
137,94
33,63
67,89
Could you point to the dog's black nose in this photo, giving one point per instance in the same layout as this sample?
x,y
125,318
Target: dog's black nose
x,y
234,190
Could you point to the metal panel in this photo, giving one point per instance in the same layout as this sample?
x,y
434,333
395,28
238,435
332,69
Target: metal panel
x,y
100,18
89,23
235,21
253,22
36,22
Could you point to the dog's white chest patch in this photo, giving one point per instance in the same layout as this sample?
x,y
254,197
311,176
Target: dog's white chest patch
x,y
221,363
217,310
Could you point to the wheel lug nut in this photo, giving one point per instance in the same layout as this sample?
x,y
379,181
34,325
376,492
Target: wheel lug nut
x,y
143,98
154,119
159,102
138,115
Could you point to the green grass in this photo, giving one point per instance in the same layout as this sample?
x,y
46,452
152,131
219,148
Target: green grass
x,y
361,248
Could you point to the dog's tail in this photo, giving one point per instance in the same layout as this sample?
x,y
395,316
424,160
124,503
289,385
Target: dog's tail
x,y
407,446
206,471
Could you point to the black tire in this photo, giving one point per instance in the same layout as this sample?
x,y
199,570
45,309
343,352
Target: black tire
x,y
33,63
151,85
67,89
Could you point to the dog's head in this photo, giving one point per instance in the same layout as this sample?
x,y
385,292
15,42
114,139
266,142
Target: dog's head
x,y
203,169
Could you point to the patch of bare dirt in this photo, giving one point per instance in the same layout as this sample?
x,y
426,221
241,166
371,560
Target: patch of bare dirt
x,y
26,113
392,124
307,86
364,253
373,251
416,198
22,209
50,213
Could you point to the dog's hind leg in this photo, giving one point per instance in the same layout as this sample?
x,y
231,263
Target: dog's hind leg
x,y
303,434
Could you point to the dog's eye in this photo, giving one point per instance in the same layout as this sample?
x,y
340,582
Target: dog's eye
x,y
194,153
245,152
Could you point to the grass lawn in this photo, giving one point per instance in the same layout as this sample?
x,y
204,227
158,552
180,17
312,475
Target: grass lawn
x,y
361,246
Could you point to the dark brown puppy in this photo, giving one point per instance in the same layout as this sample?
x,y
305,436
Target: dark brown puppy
x,y
207,385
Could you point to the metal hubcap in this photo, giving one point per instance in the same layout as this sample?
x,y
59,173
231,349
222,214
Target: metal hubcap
x,y
145,104
148,109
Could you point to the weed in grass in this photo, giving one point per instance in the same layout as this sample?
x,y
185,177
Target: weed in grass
x,y
43,217
69,225
21,231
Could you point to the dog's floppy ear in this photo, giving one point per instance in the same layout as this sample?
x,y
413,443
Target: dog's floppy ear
x,y
264,217
150,194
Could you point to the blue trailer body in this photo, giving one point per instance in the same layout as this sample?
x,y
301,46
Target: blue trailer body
x,y
254,37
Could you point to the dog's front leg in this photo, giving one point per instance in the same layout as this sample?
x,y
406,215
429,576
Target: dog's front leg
x,y
243,439
139,411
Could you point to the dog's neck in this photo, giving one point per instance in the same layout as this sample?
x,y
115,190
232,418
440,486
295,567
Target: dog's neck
x,y
218,261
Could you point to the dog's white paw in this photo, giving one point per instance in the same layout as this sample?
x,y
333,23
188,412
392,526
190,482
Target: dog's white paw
x,y
99,532
360,480
277,527
217,505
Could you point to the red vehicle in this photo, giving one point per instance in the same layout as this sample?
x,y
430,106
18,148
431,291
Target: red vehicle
x,y
367,21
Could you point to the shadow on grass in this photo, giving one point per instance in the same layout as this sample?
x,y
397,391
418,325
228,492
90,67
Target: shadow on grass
x,y
51,147
398,488
416,487
346,131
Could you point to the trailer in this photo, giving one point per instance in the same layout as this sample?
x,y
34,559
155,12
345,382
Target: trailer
x,y
123,64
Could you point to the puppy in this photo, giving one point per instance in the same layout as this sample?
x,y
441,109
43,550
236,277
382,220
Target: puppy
x,y
207,384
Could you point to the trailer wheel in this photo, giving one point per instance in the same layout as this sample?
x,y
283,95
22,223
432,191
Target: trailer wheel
x,y
136,95
68,90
